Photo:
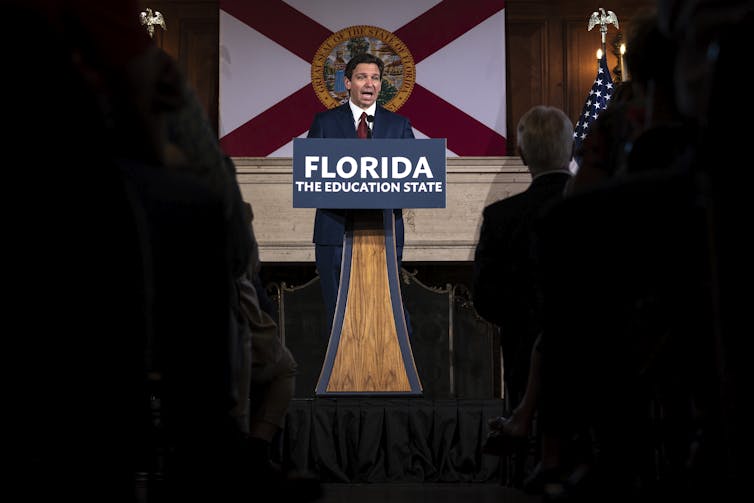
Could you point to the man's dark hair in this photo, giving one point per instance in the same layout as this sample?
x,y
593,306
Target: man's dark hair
x,y
364,57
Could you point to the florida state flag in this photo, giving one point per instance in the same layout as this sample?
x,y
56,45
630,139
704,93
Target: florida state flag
x,y
282,61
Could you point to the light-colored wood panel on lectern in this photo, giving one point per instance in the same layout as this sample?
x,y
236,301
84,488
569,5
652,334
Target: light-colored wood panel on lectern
x,y
369,351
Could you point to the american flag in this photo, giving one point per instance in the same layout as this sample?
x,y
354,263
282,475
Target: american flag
x,y
596,101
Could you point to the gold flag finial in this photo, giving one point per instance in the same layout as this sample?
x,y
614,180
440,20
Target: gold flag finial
x,y
151,19
603,19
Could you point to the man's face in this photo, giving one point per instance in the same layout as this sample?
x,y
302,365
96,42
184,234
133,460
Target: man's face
x,y
364,84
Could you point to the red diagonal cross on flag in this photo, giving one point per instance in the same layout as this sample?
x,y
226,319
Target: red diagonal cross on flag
x,y
267,48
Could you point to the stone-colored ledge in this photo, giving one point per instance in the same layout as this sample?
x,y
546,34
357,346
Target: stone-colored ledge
x,y
445,234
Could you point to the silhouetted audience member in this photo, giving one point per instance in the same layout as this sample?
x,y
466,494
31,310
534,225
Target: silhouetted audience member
x,y
193,149
262,369
663,139
273,374
193,156
80,278
505,290
630,346
136,259
712,39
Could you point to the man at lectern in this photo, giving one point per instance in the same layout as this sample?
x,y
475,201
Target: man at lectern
x,y
360,117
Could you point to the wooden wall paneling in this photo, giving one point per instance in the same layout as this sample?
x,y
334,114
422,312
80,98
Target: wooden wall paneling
x,y
581,64
192,38
199,60
564,48
549,49
556,47
527,71
581,46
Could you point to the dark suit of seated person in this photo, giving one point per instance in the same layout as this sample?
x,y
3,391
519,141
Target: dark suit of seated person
x,y
363,80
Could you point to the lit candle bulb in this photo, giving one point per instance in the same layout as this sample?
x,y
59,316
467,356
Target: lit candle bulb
x,y
623,74
599,58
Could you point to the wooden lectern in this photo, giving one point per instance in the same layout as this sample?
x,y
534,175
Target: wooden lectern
x,y
369,351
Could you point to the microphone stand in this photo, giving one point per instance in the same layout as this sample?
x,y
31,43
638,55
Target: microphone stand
x,y
370,120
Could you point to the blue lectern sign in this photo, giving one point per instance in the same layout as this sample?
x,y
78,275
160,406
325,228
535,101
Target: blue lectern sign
x,y
363,174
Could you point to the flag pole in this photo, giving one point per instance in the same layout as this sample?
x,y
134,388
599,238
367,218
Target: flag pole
x,y
602,88
603,18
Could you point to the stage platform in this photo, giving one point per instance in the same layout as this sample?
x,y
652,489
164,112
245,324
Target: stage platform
x,y
436,437
376,440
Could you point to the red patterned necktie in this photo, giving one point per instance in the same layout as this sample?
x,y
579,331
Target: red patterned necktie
x,y
361,131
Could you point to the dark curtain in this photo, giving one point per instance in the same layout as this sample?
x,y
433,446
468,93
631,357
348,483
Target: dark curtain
x,y
391,440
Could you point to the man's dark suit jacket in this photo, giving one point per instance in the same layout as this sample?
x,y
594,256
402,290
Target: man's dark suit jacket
x,y
504,276
330,224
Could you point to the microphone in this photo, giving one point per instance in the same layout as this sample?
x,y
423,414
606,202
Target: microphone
x,y
370,120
